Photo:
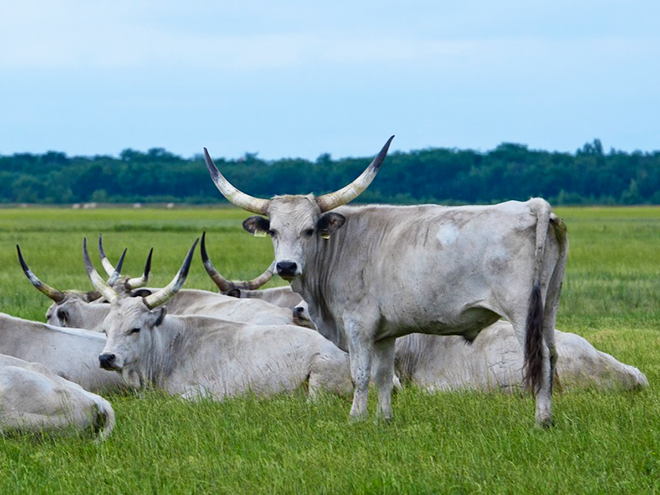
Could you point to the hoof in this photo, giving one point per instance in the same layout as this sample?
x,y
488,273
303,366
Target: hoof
x,y
544,423
357,418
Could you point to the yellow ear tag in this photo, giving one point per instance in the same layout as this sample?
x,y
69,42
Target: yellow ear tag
x,y
260,233
325,236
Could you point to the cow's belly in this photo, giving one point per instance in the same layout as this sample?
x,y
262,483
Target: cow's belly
x,y
467,323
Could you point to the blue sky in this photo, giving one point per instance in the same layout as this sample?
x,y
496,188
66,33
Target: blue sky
x,y
300,78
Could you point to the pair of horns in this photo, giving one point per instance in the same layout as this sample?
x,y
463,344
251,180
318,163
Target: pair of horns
x,y
225,285
52,293
131,283
151,301
326,202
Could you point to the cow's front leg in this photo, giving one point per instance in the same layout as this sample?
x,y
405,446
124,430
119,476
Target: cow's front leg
x,y
360,351
383,367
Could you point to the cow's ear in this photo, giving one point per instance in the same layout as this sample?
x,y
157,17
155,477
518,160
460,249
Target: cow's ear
x,y
141,293
257,226
160,315
91,296
233,292
329,223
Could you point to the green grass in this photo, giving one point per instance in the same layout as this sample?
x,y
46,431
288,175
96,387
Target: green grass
x,y
449,442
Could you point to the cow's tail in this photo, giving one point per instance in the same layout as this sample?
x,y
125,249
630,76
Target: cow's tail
x,y
534,325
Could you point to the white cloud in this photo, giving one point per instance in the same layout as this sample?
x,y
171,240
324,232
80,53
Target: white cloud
x,y
72,34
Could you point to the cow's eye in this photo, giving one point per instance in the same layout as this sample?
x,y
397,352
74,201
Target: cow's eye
x,y
134,330
308,233
272,233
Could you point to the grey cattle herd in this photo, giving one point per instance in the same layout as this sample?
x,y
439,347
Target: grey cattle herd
x,y
440,297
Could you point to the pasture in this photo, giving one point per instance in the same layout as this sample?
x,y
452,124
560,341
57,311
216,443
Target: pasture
x,y
462,442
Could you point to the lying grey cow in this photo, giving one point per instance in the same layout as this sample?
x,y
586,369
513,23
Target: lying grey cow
x,y
494,360
201,356
374,273
283,297
252,311
34,399
72,309
79,313
71,353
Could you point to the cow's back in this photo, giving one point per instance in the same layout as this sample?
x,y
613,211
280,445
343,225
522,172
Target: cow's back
x,y
225,359
248,310
69,352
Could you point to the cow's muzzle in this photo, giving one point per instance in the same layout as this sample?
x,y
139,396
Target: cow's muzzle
x,y
108,361
288,270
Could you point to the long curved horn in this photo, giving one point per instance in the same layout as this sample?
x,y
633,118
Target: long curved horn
x,y
233,195
117,272
225,285
53,294
135,283
107,266
99,284
166,293
348,193
259,281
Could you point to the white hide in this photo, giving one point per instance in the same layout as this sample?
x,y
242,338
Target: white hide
x,y
283,297
34,399
71,353
494,360
253,310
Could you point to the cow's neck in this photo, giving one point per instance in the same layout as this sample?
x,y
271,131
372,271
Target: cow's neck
x,y
161,357
319,285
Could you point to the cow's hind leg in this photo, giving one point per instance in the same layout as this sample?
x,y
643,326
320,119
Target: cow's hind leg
x,y
537,361
383,371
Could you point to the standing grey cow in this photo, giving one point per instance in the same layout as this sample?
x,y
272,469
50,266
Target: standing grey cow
x,y
71,353
200,356
34,399
374,273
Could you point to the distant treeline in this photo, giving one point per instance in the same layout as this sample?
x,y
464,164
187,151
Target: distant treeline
x,y
438,175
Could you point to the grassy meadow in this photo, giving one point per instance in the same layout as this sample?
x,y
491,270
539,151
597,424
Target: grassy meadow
x,y
462,442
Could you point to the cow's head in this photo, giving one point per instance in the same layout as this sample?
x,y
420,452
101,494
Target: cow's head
x,y
78,313
301,316
131,323
295,223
